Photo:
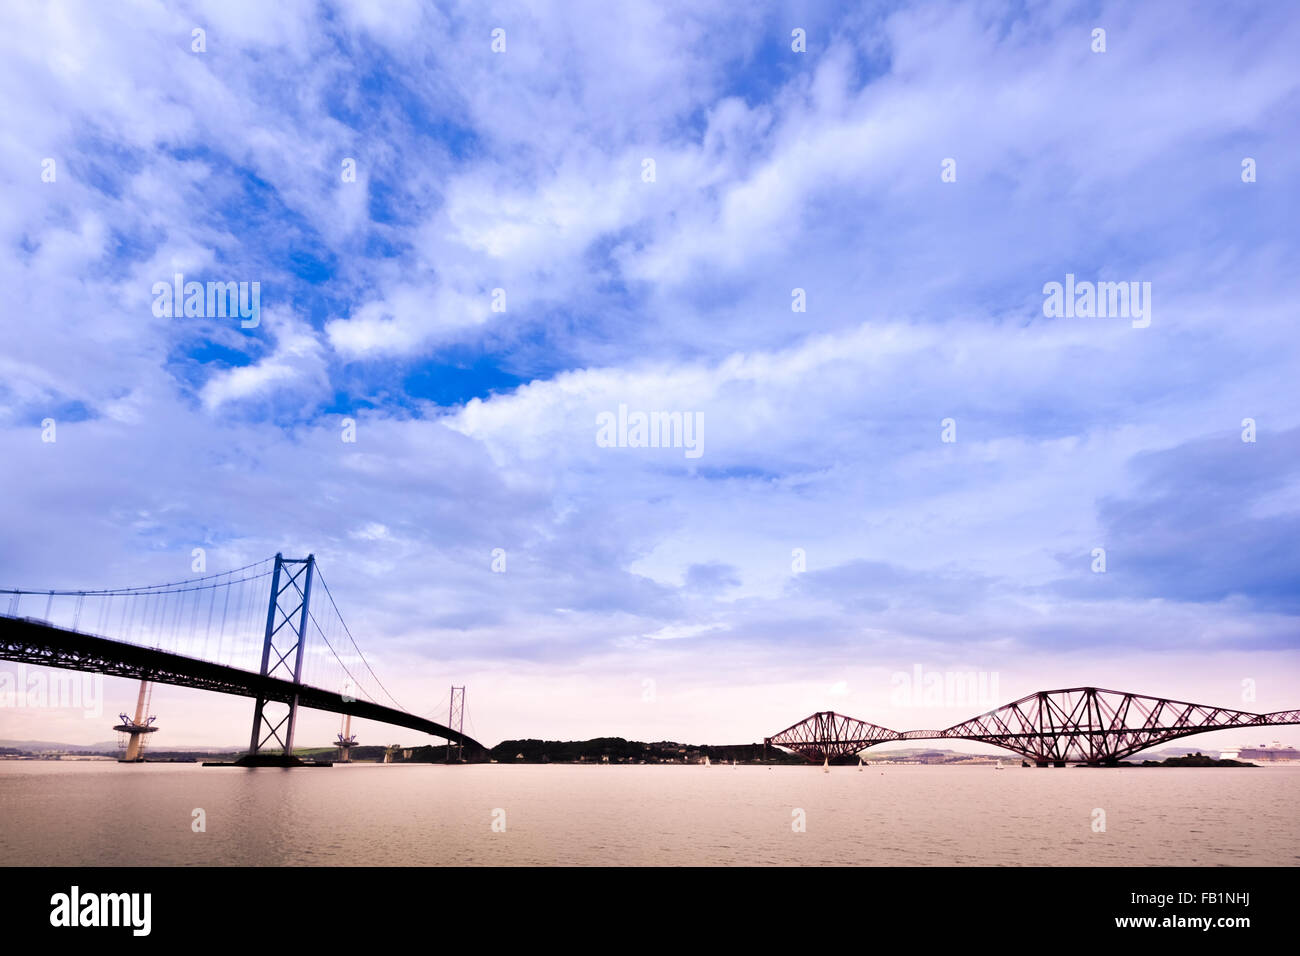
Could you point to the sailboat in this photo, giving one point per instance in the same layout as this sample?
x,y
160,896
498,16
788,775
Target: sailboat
x,y
826,765
998,765
861,763
706,761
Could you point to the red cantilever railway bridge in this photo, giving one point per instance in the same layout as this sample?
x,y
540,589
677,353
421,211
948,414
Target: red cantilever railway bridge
x,y
1051,727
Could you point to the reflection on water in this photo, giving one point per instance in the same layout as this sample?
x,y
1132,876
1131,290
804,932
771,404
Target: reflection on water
x,y
109,814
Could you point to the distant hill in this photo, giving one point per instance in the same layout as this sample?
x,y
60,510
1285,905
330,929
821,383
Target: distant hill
x,y
109,746
50,745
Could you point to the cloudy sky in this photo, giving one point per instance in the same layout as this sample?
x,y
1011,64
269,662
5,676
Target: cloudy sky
x,y
920,172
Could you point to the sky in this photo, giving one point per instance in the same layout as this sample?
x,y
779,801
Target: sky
x,y
471,245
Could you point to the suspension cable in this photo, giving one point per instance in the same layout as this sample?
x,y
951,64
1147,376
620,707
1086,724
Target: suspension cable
x,y
348,631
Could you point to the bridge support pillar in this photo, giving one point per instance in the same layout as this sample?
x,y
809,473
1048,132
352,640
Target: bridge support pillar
x,y
456,722
286,622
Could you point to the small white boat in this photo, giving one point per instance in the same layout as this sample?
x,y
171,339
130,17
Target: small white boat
x,y
826,765
861,763
706,761
998,765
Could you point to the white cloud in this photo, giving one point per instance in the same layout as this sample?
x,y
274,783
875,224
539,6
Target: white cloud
x,y
296,360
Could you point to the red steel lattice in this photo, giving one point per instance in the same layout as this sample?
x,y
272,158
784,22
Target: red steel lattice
x,y
1074,725
826,735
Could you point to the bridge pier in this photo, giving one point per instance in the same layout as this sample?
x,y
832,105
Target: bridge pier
x,y
272,760
136,729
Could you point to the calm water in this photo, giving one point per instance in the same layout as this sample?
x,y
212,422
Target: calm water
x,y
92,813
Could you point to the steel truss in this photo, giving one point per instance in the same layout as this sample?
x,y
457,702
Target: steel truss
x,y
1075,725
827,735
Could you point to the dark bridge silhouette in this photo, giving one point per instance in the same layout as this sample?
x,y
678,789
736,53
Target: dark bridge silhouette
x,y
210,633
34,642
1051,727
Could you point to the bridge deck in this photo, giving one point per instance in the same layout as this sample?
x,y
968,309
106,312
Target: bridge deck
x,y
34,642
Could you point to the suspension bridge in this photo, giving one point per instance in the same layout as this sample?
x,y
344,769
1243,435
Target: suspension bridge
x,y
1086,725
219,632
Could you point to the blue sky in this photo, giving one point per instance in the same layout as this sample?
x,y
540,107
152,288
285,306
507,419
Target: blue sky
x,y
774,170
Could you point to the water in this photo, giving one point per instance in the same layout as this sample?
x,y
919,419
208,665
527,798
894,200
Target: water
x,y
66,813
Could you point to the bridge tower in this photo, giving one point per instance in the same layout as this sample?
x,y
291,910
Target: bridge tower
x,y
136,729
286,623
456,722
